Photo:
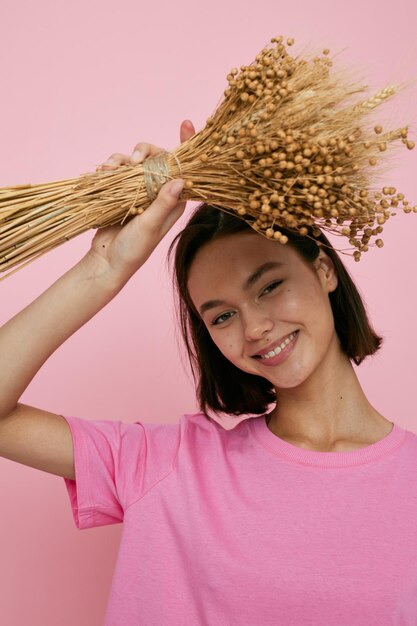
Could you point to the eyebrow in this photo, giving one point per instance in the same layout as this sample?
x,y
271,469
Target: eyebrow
x,y
251,280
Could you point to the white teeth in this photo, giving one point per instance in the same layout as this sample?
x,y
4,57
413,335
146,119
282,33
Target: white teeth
x,y
279,348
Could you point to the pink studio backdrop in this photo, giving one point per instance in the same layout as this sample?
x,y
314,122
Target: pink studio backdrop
x,y
82,80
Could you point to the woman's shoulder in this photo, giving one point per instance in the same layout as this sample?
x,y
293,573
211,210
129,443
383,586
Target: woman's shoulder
x,y
410,437
201,427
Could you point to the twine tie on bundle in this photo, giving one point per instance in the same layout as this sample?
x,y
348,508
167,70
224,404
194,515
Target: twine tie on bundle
x,y
156,173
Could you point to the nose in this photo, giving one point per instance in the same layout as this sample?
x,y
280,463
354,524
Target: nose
x,y
257,324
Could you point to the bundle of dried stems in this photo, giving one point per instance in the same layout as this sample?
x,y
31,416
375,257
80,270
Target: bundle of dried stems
x,y
287,147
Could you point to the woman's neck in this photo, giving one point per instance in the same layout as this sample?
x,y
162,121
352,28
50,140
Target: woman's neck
x,y
329,411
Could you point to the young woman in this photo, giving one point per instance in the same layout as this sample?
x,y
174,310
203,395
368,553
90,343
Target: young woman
x,y
304,513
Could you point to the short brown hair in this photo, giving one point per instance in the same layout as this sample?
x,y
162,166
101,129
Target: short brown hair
x,y
221,386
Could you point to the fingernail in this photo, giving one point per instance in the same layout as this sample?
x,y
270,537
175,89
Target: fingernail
x,y
136,156
176,188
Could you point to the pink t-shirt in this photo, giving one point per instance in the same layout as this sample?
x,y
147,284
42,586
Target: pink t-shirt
x,y
239,527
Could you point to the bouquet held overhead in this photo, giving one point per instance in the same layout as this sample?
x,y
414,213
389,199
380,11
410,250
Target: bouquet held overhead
x,y
290,146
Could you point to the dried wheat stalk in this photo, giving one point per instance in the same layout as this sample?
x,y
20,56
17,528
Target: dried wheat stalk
x,y
286,147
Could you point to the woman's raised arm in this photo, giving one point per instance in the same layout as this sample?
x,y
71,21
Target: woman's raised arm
x,y
35,437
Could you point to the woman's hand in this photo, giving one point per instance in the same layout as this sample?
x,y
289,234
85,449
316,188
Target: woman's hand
x,y
119,251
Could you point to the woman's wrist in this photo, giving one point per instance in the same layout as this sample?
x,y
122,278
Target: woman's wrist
x,y
95,268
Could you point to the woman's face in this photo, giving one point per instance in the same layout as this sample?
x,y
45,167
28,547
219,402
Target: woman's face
x,y
256,295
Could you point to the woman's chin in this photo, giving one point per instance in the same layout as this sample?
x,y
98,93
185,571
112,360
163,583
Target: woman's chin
x,y
290,380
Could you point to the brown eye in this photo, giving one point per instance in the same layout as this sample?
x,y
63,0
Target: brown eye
x,y
216,321
272,286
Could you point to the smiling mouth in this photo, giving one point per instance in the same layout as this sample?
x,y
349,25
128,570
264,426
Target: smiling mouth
x,y
279,348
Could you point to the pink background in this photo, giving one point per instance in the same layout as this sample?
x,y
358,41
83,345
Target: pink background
x,y
82,80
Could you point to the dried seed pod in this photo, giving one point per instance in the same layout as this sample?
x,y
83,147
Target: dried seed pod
x,y
285,148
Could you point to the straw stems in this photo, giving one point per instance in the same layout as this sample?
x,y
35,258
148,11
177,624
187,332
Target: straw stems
x,y
287,147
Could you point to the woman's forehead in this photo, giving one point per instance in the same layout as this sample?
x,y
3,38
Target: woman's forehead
x,y
239,251
229,262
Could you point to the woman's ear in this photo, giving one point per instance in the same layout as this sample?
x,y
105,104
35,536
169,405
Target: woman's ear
x,y
326,271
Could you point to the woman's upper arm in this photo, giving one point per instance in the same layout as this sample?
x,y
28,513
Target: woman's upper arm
x,y
38,439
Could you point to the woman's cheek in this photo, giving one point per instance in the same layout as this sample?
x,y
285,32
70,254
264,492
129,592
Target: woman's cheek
x,y
230,350
229,346
223,342
295,304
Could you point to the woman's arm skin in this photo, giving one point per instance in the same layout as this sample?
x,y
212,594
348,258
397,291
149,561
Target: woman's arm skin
x,y
35,437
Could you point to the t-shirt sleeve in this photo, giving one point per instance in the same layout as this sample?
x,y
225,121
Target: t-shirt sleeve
x,y
116,463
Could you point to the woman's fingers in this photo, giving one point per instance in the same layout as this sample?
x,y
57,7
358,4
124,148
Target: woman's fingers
x,y
142,150
164,210
187,130
115,160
